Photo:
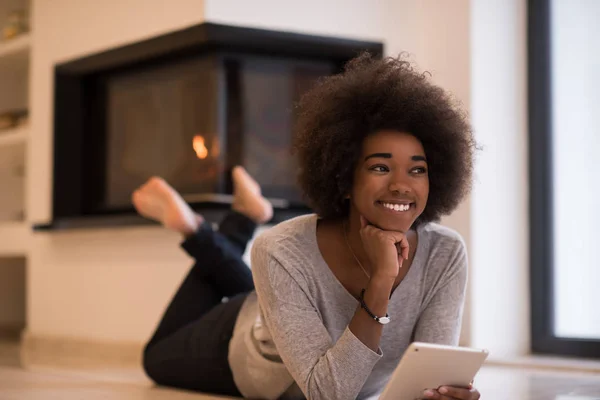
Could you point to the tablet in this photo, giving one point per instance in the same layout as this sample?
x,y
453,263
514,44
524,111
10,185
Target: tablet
x,y
429,366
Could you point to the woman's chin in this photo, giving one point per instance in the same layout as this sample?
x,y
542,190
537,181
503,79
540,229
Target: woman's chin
x,y
388,225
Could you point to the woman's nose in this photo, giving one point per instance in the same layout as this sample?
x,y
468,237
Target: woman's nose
x,y
400,187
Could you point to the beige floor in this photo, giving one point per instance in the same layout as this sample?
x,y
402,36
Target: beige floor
x,y
95,383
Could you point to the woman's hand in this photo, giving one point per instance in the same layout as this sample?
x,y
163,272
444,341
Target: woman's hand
x,y
452,393
386,249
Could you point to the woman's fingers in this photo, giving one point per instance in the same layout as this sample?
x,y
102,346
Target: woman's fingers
x,y
400,241
460,393
397,238
404,247
452,393
435,395
363,222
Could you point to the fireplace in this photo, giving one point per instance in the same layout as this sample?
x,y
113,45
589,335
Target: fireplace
x,y
187,106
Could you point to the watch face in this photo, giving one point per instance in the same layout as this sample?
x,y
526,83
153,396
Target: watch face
x,y
384,320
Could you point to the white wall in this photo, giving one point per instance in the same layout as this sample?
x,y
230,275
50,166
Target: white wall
x,y
499,278
360,19
13,96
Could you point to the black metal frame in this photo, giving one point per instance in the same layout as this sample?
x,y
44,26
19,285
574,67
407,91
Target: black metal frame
x,y
543,339
76,127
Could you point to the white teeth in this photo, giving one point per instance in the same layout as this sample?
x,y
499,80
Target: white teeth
x,y
396,207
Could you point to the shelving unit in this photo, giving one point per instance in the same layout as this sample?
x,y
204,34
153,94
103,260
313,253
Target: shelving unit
x,y
15,231
14,81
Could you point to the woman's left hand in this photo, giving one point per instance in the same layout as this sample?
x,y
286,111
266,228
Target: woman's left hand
x,y
452,393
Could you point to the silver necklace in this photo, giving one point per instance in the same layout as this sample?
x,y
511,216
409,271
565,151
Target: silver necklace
x,y
352,251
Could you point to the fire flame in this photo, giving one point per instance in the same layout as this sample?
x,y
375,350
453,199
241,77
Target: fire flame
x,y
199,147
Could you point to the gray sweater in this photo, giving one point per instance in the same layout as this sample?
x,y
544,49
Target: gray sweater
x,y
291,339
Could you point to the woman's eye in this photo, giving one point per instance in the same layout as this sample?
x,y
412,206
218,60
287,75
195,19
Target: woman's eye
x,y
420,170
380,168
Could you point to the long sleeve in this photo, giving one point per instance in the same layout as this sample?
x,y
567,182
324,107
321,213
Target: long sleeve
x,y
322,369
440,321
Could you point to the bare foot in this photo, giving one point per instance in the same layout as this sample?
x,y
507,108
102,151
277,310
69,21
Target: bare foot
x,y
247,197
156,200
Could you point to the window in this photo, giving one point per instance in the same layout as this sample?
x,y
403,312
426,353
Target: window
x,y
564,153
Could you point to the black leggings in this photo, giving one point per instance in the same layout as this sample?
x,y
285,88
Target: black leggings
x,y
190,346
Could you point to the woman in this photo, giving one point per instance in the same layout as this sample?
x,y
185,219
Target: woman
x,y
339,294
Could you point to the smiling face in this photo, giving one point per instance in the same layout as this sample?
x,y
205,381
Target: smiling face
x,y
391,181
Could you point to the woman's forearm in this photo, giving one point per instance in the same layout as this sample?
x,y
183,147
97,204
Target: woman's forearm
x,y
377,296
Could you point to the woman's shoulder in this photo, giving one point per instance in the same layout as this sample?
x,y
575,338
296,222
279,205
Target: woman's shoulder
x,y
447,252
298,234
286,250
446,258
442,239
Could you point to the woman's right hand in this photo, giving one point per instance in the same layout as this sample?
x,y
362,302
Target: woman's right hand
x,y
386,249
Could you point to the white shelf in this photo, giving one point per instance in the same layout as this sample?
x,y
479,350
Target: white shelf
x,y
13,137
14,53
14,239
15,46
